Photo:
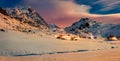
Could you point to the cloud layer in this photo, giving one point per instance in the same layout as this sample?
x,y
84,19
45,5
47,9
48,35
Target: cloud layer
x,y
102,6
61,12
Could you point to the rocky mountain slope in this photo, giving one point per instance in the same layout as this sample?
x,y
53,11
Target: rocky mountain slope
x,y
86,26
9,23
21,19
27,15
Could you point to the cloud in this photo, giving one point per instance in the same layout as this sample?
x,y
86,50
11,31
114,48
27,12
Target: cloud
x,y
65,12
101,6
109,4
58,11
57,5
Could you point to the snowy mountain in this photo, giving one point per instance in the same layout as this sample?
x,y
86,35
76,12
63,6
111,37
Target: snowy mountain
x,y
27,15
86,26
10,23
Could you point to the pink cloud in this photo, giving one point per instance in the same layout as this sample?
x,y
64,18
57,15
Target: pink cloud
x,y
65,12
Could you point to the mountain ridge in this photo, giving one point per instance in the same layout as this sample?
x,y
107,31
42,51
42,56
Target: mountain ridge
x,y
21,19
98,29
27,15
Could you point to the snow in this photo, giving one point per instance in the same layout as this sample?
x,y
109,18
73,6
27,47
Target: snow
x,y
27,15
16,43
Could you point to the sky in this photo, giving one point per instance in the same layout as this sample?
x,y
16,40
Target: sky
x,y
65,12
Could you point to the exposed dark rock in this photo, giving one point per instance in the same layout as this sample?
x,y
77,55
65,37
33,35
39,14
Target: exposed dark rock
x,y
112,47
3,11
2,30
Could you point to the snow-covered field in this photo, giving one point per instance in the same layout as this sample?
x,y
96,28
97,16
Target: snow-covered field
x,y
101,55
22,44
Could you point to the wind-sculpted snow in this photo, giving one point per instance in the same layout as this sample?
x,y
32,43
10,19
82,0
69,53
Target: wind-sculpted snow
x,y
21,44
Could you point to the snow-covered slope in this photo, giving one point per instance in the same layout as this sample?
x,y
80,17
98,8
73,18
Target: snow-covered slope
x,y
27,15
86,25
21,44
8,23
114,30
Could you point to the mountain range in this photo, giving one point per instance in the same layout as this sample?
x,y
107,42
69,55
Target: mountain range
x,y
24,19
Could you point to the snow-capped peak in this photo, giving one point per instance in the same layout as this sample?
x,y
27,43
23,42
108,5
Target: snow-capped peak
x,y
86,25
27,15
